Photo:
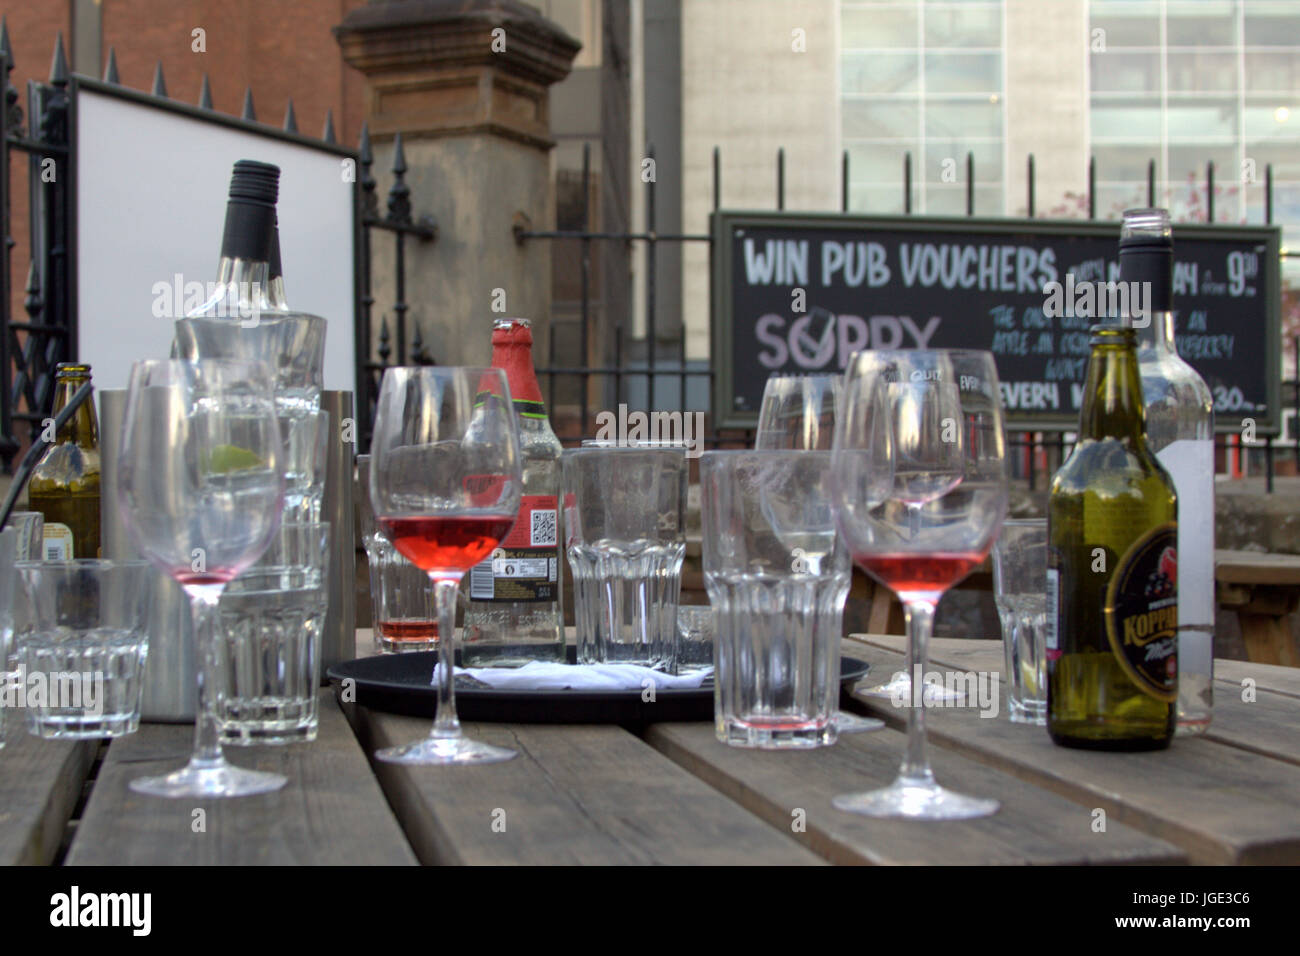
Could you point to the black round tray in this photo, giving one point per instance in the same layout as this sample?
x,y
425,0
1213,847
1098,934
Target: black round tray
x,y
400,684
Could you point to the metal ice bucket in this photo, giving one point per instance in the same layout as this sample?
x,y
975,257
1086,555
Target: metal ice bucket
x,y
169,678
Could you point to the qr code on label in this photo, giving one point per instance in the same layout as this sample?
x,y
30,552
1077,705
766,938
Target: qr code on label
x,y
544,531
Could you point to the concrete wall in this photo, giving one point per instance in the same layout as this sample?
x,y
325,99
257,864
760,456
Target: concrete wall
x,y
746,90
1046,63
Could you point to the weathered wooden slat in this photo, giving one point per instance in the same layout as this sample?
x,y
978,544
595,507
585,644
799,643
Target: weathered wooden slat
x,y
331,812
575,794
40,783
1267,725
1220,803
1268,677
794,789
1256,567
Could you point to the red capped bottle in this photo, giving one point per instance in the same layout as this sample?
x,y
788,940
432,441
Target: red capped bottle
x,y
515,611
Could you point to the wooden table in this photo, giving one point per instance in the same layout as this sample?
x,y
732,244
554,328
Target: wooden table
x,y
671,793
1264,590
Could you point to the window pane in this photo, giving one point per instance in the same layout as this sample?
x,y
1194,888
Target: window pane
x,y
1270,116
1201,23
963,72
1126,119
1268,72
1185,161
1201,118
1126,24
959,119
1283,156
879,162
878,120
879,26
1116,72
1126,163
945,200
963,26
877,199
988,160
1203,72
880,72
1272,24
1114,198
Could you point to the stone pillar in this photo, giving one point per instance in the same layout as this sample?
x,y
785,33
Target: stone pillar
x,y
466,84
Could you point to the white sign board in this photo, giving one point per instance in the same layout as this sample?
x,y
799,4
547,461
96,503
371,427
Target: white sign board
x,y
151,182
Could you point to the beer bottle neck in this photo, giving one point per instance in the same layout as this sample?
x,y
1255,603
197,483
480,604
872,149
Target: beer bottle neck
x,y
1112,398
83,427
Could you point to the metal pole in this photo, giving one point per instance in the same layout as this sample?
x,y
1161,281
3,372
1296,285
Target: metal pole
x,y
1030,180
780,178
970,184
586,283
1092,187
844,182
1209,191
907,183
1151,182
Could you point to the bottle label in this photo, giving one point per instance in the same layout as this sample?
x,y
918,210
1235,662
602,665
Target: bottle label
x,y
58,542
525,567
1053,610
1142,612
1190,463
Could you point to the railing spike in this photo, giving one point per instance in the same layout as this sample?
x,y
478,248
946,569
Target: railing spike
x,y
328,134
159,84
5,46
249,113
59,68
110,71
290,119
363,148
205,94
399,156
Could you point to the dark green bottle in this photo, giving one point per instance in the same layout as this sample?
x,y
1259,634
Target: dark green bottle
x,y
1112,579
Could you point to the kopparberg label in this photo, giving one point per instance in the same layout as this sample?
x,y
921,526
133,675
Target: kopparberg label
x,y
1142,612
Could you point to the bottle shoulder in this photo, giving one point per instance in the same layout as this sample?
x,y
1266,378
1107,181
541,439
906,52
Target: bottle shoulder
x,y
1108,467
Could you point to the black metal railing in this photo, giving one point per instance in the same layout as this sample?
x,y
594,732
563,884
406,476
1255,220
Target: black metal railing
x,y
616,375
32,346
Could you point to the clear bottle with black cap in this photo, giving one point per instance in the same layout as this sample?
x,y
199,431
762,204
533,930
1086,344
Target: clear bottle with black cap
x,y
1180,428
243,272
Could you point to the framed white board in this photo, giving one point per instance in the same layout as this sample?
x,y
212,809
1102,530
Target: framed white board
x,y
150,185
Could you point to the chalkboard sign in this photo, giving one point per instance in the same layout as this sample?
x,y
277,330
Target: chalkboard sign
x,y
801,292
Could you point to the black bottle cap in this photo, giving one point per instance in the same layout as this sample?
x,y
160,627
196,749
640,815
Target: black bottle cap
x,y
1146,255
250,211
252,181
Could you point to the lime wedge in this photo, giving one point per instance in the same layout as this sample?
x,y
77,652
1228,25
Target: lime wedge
x,y
228,458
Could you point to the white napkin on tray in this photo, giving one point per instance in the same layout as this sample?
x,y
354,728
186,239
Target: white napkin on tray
x,y
539,675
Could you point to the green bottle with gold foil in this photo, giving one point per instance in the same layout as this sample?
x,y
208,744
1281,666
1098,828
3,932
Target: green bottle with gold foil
x,y
65,483
1112,579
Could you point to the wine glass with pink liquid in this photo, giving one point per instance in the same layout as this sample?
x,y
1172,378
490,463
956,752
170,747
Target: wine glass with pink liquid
x,y
929,524
445,482
201,489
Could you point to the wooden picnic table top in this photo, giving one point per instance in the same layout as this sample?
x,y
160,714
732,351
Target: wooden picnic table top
x,y
671,793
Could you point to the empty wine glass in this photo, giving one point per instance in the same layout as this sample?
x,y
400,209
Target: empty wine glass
x,y
201,490
947,501
445,482
798,413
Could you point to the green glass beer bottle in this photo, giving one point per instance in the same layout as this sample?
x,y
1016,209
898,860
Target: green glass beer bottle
x,y
1112,579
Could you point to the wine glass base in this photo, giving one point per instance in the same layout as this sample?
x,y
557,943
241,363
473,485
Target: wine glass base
x,y
916,801
432,751
847,723
209,779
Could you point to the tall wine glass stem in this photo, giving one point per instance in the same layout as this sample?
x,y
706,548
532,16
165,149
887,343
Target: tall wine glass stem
x,y
446,725
207,741
920,625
